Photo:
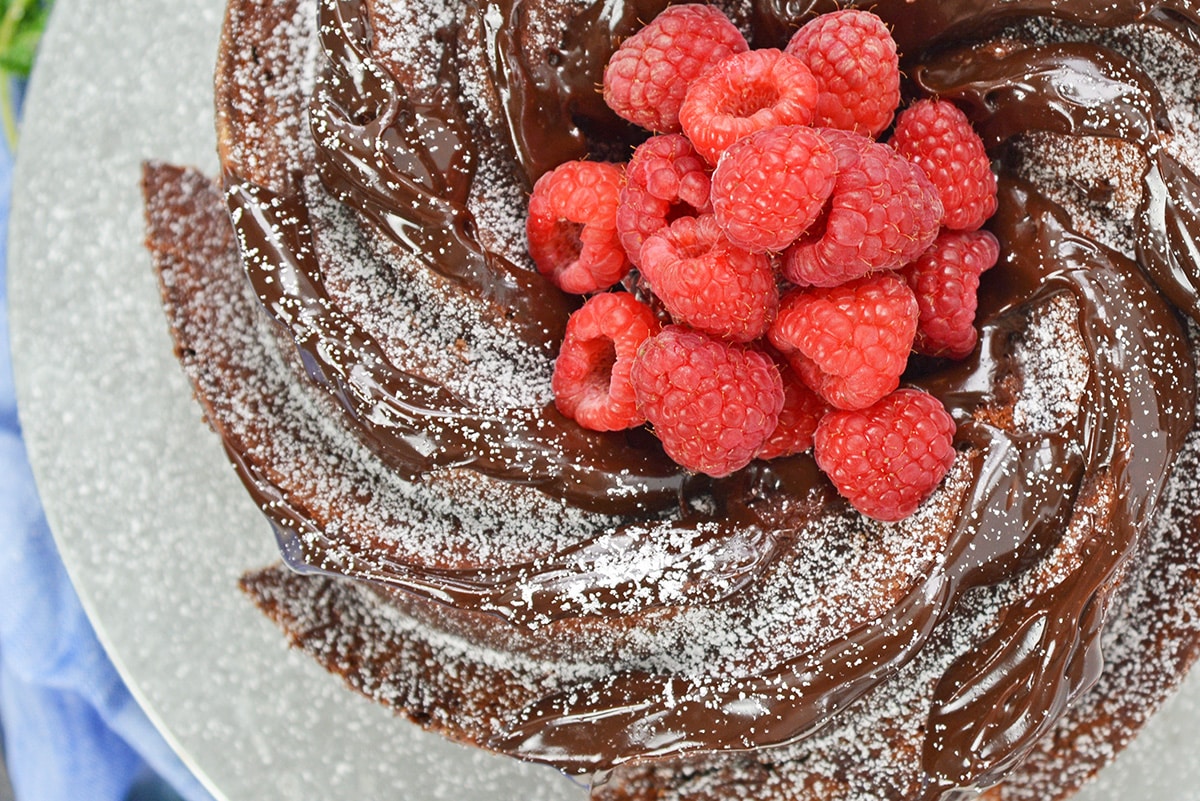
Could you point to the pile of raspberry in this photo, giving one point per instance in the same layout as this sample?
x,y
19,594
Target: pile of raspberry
x,y
758,274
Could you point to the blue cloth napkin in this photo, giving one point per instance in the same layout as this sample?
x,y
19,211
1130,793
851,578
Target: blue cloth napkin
x,y
72,731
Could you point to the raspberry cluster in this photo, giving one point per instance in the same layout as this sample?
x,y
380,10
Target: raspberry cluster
x,y
760,271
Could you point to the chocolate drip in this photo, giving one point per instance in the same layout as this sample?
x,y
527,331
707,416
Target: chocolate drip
x,y
527,91
635,714
407,166
415,425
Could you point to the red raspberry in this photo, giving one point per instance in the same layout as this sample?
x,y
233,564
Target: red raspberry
x,y
646,78
591,375
850,343
664,180
883,213
770,186
945,280
888,458
713,404
853,57
745,93
572,226
938,136
802,410
709,283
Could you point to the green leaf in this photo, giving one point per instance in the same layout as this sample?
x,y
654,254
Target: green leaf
x,y
22,23
17,57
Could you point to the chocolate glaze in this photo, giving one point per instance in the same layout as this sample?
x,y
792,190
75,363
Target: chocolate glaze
x,y
417,425
716,558
407,166
919,25
1024,491
1025,488
1168,230
558,89
1009,89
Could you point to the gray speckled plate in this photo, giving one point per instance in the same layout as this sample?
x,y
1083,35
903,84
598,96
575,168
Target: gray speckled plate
x,y
152,523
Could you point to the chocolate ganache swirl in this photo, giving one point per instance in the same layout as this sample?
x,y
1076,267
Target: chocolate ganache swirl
x,y
405,168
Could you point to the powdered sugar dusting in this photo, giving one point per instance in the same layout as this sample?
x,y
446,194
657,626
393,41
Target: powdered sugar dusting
x,y
871,751
409,39
1054,368
839,573
388,293
1099,180
268,147
249,371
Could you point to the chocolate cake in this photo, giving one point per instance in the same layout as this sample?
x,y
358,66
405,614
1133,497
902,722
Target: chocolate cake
x,y
353,303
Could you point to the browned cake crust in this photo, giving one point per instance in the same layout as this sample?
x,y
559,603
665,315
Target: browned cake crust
x,y
373,350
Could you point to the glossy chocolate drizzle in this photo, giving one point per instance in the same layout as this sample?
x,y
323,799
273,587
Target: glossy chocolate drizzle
x,y
1025,488
417,425
375,154
407,167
